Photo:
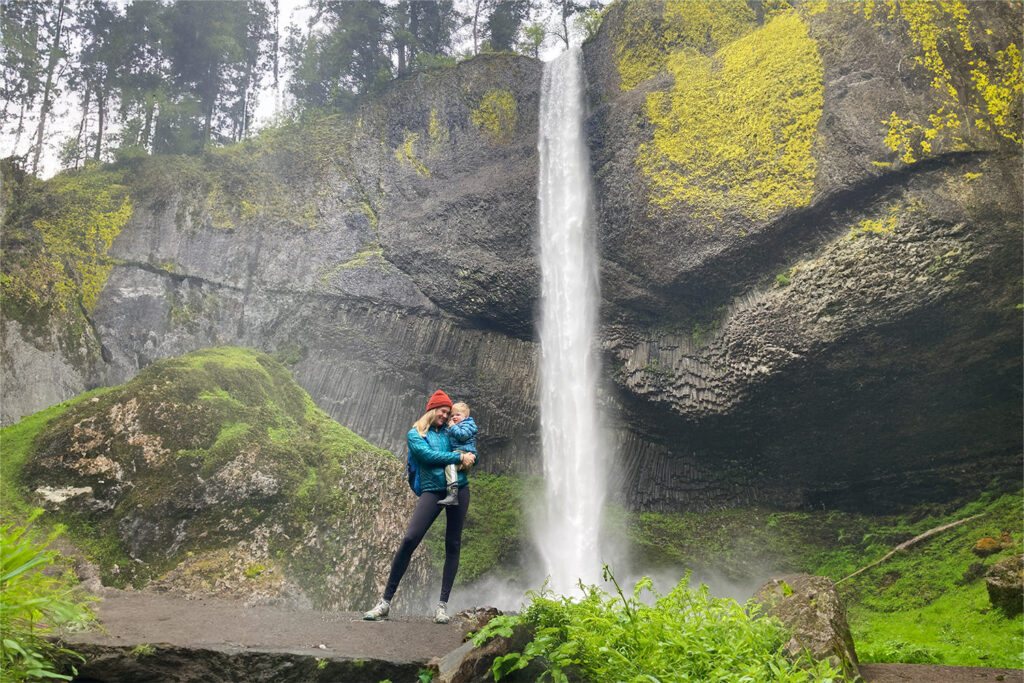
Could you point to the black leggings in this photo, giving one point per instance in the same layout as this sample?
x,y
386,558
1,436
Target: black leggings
x,y
423,516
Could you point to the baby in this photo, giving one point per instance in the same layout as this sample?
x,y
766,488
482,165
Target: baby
x,y
462,433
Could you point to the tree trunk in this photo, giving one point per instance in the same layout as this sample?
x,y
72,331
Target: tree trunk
x,y
477,6
147,127
101,120
277,42
81,126
51,65
21,126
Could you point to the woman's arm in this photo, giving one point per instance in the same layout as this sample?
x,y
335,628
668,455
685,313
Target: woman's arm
x,y
422,451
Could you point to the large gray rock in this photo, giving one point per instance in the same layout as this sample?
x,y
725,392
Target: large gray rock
x,y
809,606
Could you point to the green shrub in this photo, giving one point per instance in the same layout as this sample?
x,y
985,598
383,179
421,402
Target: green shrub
x,y
685,635
34,603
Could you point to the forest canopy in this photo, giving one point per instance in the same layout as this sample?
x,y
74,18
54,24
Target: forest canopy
x,y
164,76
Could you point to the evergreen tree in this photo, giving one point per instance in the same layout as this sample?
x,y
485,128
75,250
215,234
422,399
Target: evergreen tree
x,y
344,54
55,55
504,22
20,63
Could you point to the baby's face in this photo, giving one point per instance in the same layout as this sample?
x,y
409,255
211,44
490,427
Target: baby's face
x,y
457,417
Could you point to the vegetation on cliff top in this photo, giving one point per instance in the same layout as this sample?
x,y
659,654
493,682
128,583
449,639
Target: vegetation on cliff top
x,y
56,237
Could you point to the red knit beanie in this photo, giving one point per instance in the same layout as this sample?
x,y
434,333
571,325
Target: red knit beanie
x,y
439,400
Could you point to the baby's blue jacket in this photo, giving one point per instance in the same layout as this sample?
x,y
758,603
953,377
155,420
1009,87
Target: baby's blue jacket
x,y
463,435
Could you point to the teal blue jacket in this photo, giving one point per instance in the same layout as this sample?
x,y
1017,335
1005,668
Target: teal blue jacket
x,y
432,452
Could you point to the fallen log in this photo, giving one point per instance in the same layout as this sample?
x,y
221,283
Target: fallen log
x,y
907,544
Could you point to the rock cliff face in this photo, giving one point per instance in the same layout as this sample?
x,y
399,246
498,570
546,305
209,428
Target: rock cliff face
x,y
810,254
829,324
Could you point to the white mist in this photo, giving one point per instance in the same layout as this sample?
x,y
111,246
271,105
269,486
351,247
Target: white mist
x,y
575,455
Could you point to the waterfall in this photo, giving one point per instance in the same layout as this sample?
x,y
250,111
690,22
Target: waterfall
x,y
575,455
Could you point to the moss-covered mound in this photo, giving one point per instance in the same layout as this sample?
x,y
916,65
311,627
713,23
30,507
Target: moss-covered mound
x,y
216,473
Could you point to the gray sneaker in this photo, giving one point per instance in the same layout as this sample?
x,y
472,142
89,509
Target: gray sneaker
x,y
441,613
380,611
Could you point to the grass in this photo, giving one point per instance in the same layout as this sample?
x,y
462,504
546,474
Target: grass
x,y
922,604
16,447
915,607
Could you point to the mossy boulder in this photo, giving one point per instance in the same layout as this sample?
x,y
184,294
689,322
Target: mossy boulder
x,y
216,474
987,546
809,606
1005,584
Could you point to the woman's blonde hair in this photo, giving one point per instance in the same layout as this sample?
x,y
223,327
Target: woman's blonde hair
x,y
423,424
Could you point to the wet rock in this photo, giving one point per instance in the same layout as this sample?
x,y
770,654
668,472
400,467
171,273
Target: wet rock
x,y
164,662
469,664
478,617
1005,584
810,607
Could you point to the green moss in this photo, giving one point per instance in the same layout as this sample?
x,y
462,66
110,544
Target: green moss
x,y
16,444
437,131
496,116
56,238
735,133
370,255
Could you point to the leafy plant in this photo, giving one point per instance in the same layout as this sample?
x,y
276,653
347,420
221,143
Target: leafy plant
x,y
685,635
33,604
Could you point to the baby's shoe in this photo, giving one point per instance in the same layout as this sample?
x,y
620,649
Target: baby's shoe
x,y
452,498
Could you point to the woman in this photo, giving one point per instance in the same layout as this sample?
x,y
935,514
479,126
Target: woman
x,y
429,445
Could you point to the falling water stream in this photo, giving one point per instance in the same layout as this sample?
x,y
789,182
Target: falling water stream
x,y
575,457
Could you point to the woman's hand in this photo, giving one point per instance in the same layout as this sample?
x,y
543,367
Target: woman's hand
x,y
468,460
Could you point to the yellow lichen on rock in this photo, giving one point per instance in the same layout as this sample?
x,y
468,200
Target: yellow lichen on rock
x,y
496,116
946,37
736,131
438,132
406,154
652,31
1000,86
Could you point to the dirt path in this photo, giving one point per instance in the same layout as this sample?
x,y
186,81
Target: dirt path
x,y
160,637
927,673
135,618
